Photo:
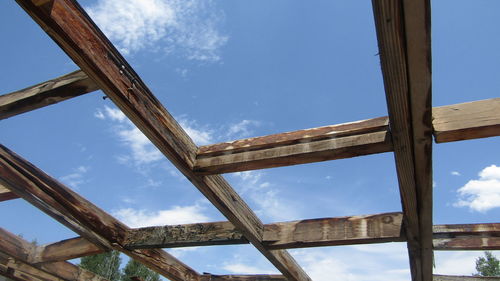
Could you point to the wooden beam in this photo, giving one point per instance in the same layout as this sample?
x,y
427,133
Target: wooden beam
x,y
256,277
65,250
16,261
484,236
465,121
6,194
463,278
47,93
379,228
403,32
365,229
73,30
299,147
80,215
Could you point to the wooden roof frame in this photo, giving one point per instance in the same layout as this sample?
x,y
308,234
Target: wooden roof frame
x,y
403,32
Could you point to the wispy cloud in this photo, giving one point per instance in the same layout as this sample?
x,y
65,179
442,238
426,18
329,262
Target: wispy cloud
x,y
175,215
241,268
455,173
265,196
456,263
190,28
200,135
242,129
482,194
76,177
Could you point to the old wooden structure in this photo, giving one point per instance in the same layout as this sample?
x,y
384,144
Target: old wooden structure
x,y
403,31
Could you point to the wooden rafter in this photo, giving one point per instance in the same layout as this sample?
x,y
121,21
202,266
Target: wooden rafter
x,y
6,194
68,24
50,92
83,217
403,34
16,262
65,250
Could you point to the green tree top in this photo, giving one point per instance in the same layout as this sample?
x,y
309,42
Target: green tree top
x,y
136,269
488,265
106,265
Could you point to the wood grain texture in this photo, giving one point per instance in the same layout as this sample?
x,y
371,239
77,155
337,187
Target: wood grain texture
x,y
465,121
47,93
65,250
463,278
80,215
16,255
185,235
256,277
467,243
300,153
481,236
365,229
406,72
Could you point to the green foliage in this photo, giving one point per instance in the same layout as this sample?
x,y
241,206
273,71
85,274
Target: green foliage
x,y
488,265
106,265
136,269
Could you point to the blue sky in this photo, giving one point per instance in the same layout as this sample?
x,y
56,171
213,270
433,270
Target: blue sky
x,y
235,69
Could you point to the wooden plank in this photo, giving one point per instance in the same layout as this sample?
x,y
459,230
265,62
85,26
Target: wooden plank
x,y
256,277
6,194
465,121
378,228
17,255
68,24
83,217
47,93
184,235
302,151
65,250
454,230
467,243
366,229
463,278
295,137
404,44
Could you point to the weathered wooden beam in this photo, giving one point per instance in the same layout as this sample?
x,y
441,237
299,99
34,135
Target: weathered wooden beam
x,y
73,30
299,147
484,236
403,32
80,215
6,194
465,121
16,258
256,277
65,250
463,278
467,243
365,229
456,230
47,93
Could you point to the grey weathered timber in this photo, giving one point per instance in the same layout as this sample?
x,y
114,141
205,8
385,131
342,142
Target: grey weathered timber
x,y
463,278
300,147
83,217
467,243
465,121
65,250
366,229
73,30
256,277
16,261
47,93
184,235
6,194
403,34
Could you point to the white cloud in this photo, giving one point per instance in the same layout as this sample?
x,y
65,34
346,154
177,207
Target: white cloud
x,y
176,215
240,268
455,173
76,178
199,135
456,263
187,27
241,129
355,263
482,194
